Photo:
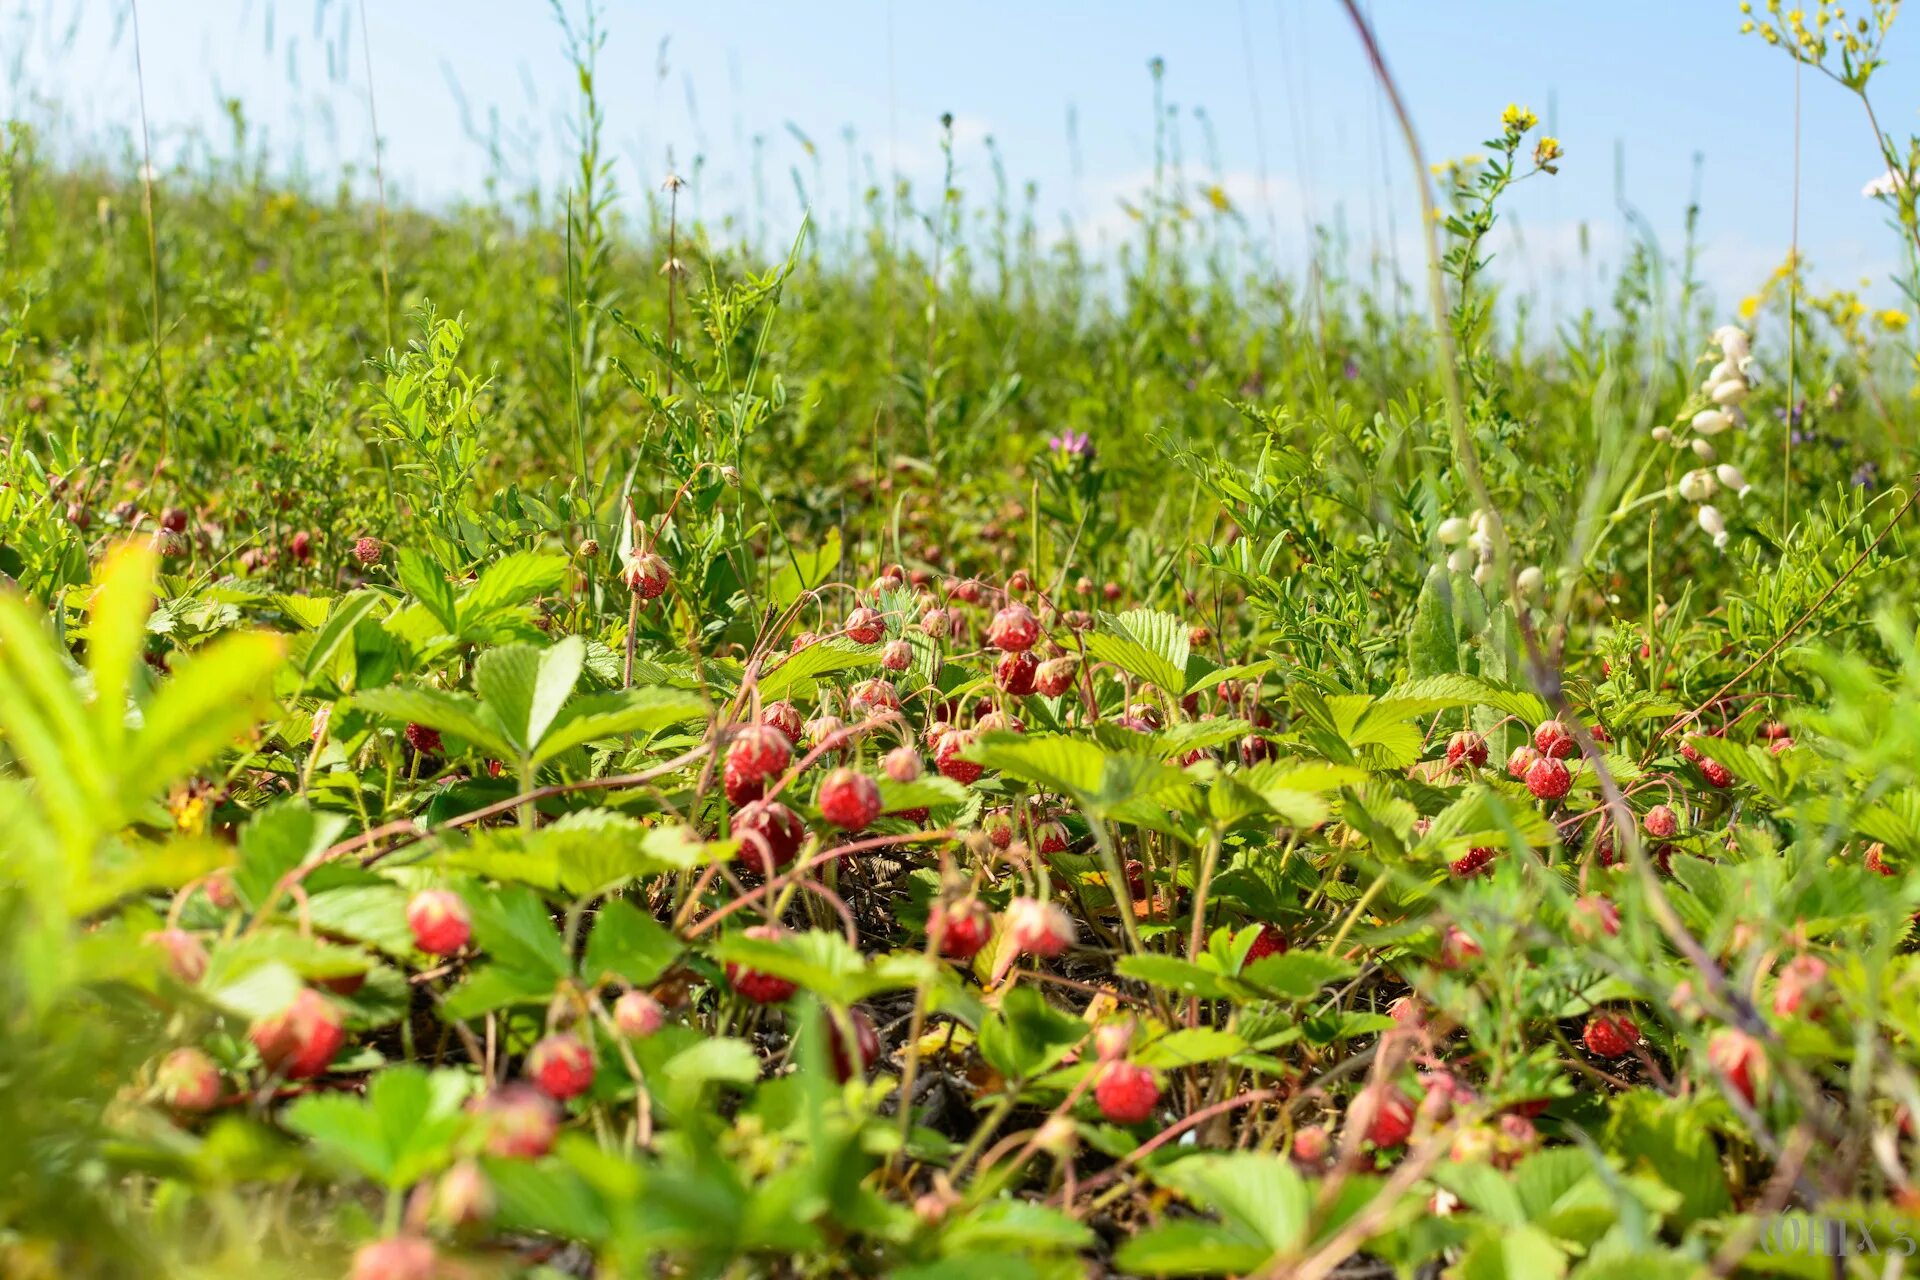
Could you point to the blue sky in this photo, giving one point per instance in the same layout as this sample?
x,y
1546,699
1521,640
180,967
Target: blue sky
x,y
1282,84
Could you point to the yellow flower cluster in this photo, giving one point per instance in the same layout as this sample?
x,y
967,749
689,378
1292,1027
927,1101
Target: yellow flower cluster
x,y
1857,39
1518,119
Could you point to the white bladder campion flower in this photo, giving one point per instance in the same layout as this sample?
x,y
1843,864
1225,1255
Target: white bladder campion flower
x,y
1730,392
1697,486
1459,560
1710,522
1530,580
1885,185
1704,451
1452,531
1730,477
1732,341
1711,422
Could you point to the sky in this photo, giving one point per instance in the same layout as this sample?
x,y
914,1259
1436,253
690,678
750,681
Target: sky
x,y
1271,98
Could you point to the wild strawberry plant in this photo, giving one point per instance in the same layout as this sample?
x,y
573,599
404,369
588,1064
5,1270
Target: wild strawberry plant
x,y
675,783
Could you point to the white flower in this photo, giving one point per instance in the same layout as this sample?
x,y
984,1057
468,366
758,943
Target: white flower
x,y
1732,391
1697,486
1884,185
1452,531
1459,560
1530,580
1710,422
1704,451
1663,434
1730,476
1721,372
1732,341
1483,575
1710,522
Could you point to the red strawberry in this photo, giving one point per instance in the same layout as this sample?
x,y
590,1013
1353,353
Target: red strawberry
x,y
934,622
761,988
866,1042
1457,948
1660,822
1466,746
871,696
301,547
960,928
462,1197
1739,1059
638,1015
758,753
999,721
1268,942
902,764
1392,1120
173,520
1477,859
1015,672
1554,740
1014,629
561,1066
1312,1144
1520,761
1799,977
1126,1093
1054,676
1052,836
1254,749
1111,590
440,922
1039,928
1594,916
186,958
1611,1035
646,574
1876,859
785,717
998,826
396,1258
826,731
1136,877
1774,729
188,1081
769,834
897,656
1780,746
344,984
949,755
301,1039
1717,775
520,1122
849,800
367,551
865,626
424,740
1548,779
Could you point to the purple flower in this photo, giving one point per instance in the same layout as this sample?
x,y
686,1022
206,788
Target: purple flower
x,y
1072,444
1866,475
1350,370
